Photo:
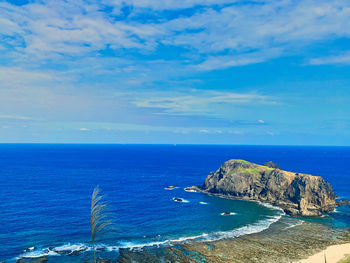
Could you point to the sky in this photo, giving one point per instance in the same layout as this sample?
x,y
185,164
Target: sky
x,y
175,72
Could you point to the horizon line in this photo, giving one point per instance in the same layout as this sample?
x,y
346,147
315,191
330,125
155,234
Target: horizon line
x,y
173,144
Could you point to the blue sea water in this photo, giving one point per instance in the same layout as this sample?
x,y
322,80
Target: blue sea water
x,y
45,192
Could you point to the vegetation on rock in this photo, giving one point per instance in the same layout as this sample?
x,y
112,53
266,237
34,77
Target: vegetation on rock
x,y
297,194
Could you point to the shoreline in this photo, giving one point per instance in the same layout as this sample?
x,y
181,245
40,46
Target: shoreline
x,y
275,205
277,244
215,236
238,248
287,240
261,239
80,248
333,254
283,242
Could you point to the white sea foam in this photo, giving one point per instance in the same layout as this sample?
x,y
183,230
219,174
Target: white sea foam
x,y
228,213
33,254
29,249
71,248
170,188
184,239
190,190
37,254
299,222
55,251
180,200
245,230
132,245
267,205
203,203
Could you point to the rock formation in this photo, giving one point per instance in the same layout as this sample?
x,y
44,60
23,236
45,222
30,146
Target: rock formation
x,y
272,165
297,194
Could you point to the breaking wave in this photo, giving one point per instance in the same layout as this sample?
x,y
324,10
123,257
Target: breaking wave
x,y
69,249
180,200
228,213
268,205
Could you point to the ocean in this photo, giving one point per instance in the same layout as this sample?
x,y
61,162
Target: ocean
x,y
45,192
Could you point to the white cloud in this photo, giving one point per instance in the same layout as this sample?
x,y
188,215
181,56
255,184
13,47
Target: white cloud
x,y
113,127
338,59
63,60
16,76
38,93
165,4
73,28
199,102
16,117
236,132
222,62
215,131
246,33
8,27
261,121
276,28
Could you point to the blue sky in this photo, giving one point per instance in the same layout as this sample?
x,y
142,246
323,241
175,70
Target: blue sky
x,y
196,71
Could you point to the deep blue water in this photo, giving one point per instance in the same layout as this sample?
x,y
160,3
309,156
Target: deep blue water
x,y
45,193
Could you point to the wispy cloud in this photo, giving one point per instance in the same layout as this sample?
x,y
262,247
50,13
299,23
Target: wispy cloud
x,y
160,65
263,27
111,127
199,102
216,131
17,118
338,59
222,62
159,5
270,133
79,28
11,76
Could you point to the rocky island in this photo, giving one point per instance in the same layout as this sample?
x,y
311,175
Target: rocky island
x,y
296,193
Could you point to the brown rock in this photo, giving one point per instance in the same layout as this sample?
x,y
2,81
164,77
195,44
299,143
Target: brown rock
x,y
297,194
32,260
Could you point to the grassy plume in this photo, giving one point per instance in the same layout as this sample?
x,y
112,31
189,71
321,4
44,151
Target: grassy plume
x,y
98,217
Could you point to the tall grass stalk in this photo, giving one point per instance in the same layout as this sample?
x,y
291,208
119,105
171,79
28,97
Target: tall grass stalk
x,y
98,216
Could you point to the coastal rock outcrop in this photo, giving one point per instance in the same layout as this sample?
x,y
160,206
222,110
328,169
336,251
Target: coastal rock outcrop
x,y
272,165
297,194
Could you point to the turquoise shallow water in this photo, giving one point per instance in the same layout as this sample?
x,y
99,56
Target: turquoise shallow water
x,y
45,192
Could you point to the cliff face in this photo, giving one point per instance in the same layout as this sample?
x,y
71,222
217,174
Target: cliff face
x,y
295,193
